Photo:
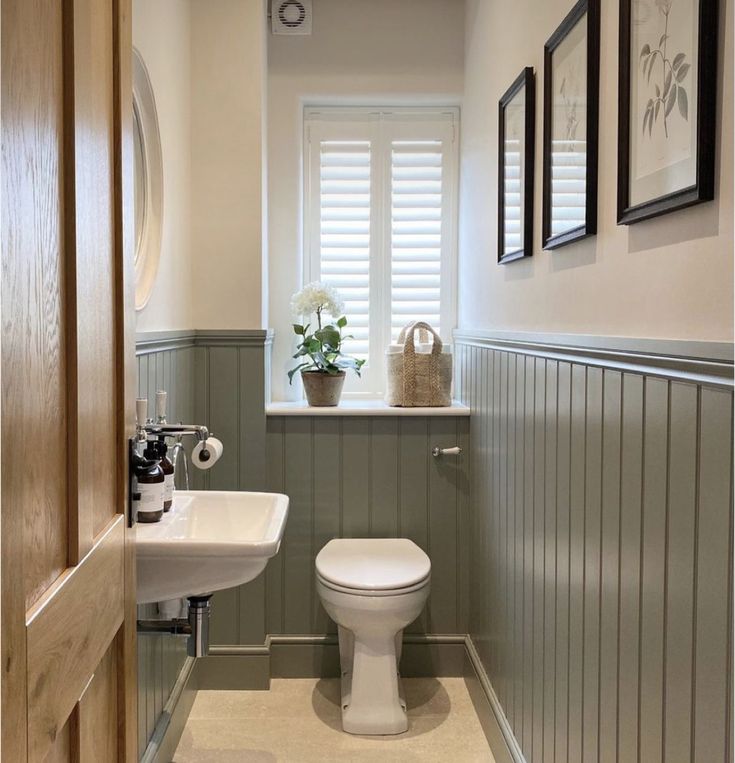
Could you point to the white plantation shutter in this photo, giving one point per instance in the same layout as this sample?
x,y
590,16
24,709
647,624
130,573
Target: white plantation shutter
x,y
379,215
344,232
416,233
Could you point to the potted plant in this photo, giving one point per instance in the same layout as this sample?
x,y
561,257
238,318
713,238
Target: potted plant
x,y
323,365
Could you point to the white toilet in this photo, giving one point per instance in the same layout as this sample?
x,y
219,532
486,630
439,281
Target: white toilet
x,y
372,588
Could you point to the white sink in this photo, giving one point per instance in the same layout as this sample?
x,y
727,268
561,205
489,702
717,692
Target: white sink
x,y
208,541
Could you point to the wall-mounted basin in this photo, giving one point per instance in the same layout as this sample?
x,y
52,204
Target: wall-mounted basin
x,y
210,540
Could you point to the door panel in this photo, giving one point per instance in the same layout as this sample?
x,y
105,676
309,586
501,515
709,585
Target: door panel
x,y
67,556
98,712
33,326
68,635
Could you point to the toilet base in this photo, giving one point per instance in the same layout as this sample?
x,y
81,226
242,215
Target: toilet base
x,y
379,706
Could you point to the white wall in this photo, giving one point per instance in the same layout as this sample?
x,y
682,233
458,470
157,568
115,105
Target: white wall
x,y
161,32
666,278
365,53
228,99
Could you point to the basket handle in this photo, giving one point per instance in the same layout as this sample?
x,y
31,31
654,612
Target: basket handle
x,y
409,362
423,333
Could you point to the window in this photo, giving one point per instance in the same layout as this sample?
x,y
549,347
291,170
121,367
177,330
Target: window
x,y
380,206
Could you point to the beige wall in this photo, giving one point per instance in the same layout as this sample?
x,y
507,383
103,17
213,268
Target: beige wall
x,y
666,278
228,94
380,52
207,62
161,33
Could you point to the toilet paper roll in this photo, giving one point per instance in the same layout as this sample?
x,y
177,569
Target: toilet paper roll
x,y
206,454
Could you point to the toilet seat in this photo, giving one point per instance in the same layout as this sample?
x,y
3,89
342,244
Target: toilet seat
x,y
373,566
374,592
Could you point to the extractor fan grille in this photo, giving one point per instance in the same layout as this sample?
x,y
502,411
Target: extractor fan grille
x,y
291,17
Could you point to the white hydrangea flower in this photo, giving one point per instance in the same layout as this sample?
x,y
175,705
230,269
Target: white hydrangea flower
x,y
314,296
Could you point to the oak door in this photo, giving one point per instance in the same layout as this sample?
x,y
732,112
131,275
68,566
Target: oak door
x,y
67,560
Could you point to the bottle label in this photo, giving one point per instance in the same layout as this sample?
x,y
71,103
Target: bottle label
x,y
151,496
168,487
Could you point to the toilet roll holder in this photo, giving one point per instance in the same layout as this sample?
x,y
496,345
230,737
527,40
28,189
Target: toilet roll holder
x,y
437,451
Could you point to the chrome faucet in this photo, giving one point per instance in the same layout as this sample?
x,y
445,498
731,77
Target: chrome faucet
x,y
178,449
176,430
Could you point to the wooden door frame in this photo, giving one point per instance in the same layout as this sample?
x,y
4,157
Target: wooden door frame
x,y
127,380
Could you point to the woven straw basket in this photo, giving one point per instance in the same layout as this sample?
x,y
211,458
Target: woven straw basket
x,y
419,379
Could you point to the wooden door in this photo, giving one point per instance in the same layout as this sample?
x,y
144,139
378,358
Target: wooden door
x,y
67,557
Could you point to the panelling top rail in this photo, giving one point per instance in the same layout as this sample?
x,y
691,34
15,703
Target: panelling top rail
x,y
699,368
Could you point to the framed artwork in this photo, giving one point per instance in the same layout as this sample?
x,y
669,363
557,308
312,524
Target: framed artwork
x,y
571,101
516,142
667,96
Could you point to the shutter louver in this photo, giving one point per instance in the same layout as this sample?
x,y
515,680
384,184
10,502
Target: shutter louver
x,y
345,232
417,194
568,185
513,213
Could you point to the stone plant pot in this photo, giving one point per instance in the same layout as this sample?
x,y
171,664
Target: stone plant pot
x,y
323,389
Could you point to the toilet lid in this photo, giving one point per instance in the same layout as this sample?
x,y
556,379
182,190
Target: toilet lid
x,y
376,564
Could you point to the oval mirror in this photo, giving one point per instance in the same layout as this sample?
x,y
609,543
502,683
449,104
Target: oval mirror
x,y
148,183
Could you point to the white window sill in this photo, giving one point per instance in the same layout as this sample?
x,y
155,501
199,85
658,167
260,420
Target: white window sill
x,y
361,407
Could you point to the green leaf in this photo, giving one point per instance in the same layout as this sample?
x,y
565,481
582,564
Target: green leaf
x,y
663,39
658,91
667,84
671,100
328,336
293,371
658,108
342,322
313,344
298,329
678,61
645,51
683,103
683,71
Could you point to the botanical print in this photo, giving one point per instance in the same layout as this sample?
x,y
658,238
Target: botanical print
x,y
514,151
672,73
663,96
569,131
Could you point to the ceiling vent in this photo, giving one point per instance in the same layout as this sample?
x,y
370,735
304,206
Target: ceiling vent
x,y
291,17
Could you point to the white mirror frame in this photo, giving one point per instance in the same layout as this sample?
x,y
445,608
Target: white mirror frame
x,y
148,248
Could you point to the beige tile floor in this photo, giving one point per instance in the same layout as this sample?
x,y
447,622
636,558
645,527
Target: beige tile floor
x,y
298,721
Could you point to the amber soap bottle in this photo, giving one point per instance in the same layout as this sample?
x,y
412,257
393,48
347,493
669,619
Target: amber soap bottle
x,y
150,486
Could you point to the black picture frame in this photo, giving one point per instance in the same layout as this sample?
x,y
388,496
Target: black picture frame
x,y
525,80
590,9
705,150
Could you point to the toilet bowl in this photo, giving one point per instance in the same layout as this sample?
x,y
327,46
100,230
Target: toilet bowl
x,y
372,588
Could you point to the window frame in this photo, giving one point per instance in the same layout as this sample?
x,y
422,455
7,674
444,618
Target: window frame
x,y
382,126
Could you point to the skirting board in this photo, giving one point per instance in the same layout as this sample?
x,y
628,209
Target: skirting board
x,y
170,726
497,729
250,668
